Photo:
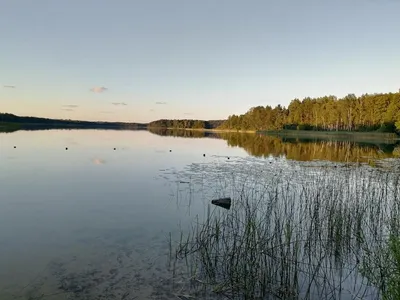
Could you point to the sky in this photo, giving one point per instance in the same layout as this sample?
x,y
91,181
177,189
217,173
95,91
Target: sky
x,y
137,61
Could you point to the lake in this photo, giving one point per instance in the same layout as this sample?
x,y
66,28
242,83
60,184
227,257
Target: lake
x,y
106,214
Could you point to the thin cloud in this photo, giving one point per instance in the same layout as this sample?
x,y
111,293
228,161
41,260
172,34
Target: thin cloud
x,y
188,114
68,109
161,103
10,86
99,89
70,106
152,110
119,103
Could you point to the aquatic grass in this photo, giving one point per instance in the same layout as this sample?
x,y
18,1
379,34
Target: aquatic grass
x,y
293,233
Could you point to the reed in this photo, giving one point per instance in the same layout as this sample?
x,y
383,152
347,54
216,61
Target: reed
x,y
295,233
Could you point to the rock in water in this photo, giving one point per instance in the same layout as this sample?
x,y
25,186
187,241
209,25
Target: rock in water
x,y
223,202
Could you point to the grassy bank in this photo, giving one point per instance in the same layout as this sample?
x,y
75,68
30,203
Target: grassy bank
x,y
334,135
204,129
221,130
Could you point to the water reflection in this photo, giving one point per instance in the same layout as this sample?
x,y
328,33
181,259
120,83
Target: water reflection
x,y
294,148
300,149
184,133
99,161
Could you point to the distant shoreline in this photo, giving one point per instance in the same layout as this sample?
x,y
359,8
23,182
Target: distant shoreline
x,y
14,127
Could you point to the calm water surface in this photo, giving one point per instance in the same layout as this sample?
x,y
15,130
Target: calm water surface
x,y
92,222
91,209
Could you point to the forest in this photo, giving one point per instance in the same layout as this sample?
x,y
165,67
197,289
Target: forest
x,y
369,112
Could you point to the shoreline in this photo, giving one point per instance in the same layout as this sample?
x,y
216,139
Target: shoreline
x,y
207,130
348,135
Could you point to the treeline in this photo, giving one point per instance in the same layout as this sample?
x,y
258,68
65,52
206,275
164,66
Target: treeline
x,y
368,112
30,122
186,123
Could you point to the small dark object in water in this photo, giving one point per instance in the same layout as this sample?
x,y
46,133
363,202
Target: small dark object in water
x,y
223,202
15,147
170,150
204,155
228,157
270,162
115,148
66,148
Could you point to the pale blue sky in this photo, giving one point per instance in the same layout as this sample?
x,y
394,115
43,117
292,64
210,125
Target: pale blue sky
x,y
205,59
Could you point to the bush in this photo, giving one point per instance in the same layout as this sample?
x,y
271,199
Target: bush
x,y
387,127
304,127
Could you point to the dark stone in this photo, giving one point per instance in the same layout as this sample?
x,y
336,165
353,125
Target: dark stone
x,y
222,202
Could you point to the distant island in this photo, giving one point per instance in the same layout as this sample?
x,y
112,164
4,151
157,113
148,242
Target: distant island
x,y
378,113
11,122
